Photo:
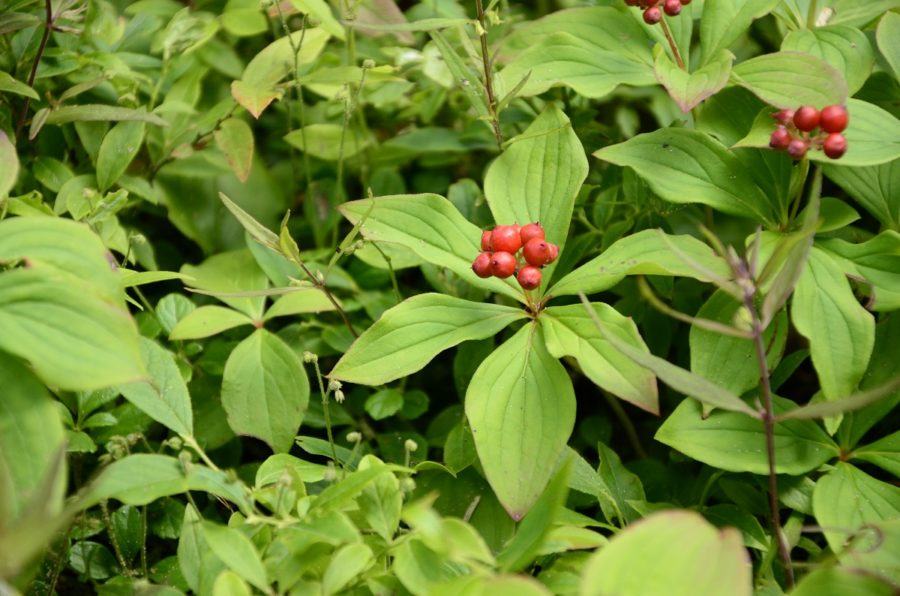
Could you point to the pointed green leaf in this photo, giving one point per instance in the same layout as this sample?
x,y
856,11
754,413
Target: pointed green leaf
x,y
876,188
9,165
538,176
688,166
235,139
344,565
230,273
876,260
208,320
198,564
688,89
648,252
737,443
300,301
329,141
840,331
569,331
321,12
164,396
689,556
431,227
841,581
10,85
887,34
237,552
623,485
788,80
884,453
846,48
101,113
521,408
409,335
118,149
724,21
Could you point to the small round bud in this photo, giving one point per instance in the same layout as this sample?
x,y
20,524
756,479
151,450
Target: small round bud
x,y
309,357
334,384
410,445
354,437
368,63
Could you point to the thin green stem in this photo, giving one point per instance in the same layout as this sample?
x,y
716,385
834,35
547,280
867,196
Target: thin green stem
x,y
298,91
488,76
104,508
674,46
326,413
387,260
812,14
191,442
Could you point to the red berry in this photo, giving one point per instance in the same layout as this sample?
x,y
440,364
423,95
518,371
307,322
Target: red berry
x,y
529,231
529,277
554,252
482,265
834,119
782,116
672,7
780,139
506,239
797,148
486,240
652,15
835,145
503,264
806,118
536,252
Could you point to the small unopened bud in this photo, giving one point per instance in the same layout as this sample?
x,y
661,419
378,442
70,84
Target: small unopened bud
x,y
330,474
185,458
310,357
320,277
354,437
138,239
334,385
339,396
411,445
368,63
407,485
175,443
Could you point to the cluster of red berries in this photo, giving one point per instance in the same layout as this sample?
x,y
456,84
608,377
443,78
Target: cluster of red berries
x,y
499,254
796,132
652,14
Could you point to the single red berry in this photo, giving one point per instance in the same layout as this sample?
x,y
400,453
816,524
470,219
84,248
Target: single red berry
x,y
798,148
529,277
672,7
782,116
529,231
806,118
835,145
503,264
486,240
554,252
780,139
536,252
652,15
834,119
506,239
482,265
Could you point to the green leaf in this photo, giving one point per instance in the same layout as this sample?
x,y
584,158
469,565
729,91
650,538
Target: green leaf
x,y
841,581
648,252
561,58
688,166
9,165
10,85
623,486
884,453
235,139
329,141
431,227
384,404
465,74
237,552
521,408
791,79
873,137
860,14
729,361
164,397
724,21
840,331
887,33
845,48
876,188
31,439
265,390
381,501
532,532
850,504
231,272
689,89
321,12
877,261
229,583
257,231
344,565
538,176
299,301
737,443
198,564
569,331
208,320
101,113
119,147
409,335
688,554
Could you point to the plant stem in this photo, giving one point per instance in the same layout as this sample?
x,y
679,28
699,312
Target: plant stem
x,y
769,422
326,413
811,15
48,26
191,442
321,285
488,78
668,33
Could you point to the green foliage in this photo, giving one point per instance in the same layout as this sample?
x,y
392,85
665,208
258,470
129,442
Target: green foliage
x,y
243,348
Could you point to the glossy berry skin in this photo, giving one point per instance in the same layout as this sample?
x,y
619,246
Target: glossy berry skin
x,y
672,7
529,231
506,239
652,15
783,116
798,148
486,240
536,252
835,145
529,277
482,265
834,119
780,139
503,264
554,252
806,118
